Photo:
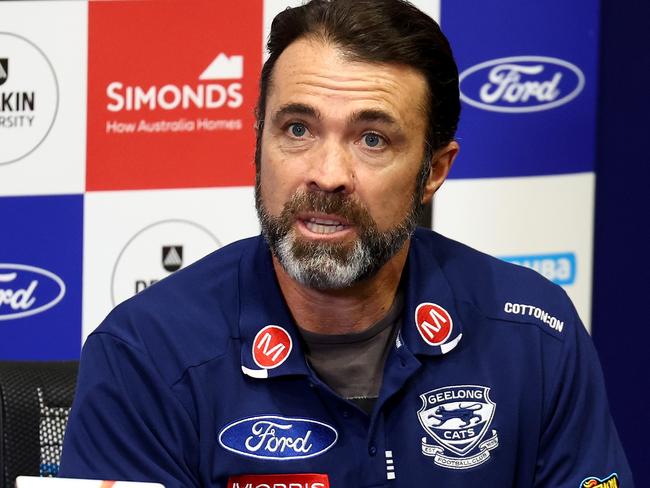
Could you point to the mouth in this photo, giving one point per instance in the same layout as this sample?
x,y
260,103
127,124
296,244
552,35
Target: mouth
x,y
324,225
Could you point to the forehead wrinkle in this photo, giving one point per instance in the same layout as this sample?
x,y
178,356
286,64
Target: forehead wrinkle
x,y
310,71
384,104
332,82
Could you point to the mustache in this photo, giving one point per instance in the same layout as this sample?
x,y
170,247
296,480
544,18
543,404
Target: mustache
x,y
338,204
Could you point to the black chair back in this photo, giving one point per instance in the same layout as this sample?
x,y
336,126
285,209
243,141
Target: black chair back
x,y
35,399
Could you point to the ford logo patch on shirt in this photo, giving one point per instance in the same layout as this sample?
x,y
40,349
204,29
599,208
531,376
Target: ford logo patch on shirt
x,y
279,438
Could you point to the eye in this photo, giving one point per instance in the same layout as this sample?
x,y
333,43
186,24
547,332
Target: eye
x,y
297,129
373,140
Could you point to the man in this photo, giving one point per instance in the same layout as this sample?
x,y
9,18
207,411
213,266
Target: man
x,y
344,348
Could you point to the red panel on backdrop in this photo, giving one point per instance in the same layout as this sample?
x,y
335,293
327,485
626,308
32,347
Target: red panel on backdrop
x,y
171,92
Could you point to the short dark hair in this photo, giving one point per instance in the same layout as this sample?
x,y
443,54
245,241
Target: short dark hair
x,y
375,31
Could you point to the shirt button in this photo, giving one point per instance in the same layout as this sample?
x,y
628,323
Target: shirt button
x,y
346,414
372,450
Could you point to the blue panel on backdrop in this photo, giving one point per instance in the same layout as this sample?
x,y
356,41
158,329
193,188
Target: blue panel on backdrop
x,y
41,240
528,83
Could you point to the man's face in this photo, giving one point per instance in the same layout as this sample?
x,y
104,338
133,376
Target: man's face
x,y
342,146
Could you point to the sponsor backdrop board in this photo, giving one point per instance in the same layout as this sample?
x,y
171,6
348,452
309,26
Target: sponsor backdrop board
x,y
158,148
126,145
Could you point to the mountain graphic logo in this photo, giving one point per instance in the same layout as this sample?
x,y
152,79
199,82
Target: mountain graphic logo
x,y
172,258
4,70
224,68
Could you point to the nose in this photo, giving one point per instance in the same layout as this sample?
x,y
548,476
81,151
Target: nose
x,y
332,170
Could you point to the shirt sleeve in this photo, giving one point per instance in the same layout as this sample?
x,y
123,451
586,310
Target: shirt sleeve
x,y
126,423
579,446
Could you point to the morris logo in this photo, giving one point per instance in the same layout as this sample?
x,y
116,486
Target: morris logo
x,y
271,347
521,84
434,323
27,290
279,438
289,480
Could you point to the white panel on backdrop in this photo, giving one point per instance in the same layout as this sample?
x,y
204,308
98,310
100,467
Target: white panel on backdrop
x,y
155,252
274,7
135,238
429,7
43,68
544,222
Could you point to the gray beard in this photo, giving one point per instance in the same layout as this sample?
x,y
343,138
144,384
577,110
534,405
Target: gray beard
x,y
328,266
320,269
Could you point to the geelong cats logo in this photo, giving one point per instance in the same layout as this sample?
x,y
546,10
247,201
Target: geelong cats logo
x,y
458,420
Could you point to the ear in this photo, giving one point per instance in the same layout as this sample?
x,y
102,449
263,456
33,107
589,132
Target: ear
x,y
441,162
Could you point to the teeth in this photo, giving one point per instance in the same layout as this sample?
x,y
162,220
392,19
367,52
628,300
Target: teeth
x,y
319,228
324,221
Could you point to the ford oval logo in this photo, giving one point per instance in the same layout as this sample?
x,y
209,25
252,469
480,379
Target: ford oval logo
x,y
27,290
521,84
279,438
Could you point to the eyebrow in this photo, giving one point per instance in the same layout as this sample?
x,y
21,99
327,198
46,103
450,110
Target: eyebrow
x,y
372,115
296,109
366,115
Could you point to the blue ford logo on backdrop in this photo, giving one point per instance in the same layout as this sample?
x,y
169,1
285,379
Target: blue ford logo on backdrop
x,y
27,290
521,84
279,438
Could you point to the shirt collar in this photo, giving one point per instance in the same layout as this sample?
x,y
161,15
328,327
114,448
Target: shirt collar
x,y
262,305
429,295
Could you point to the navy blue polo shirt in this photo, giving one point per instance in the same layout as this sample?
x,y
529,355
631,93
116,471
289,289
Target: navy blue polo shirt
x,y
200,380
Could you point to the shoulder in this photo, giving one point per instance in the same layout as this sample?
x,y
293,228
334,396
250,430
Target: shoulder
x,y
499,290
186,319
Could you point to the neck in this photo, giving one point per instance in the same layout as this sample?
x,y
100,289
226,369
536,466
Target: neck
x,y
347,310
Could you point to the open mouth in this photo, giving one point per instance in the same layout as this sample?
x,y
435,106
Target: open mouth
x,y
324,225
